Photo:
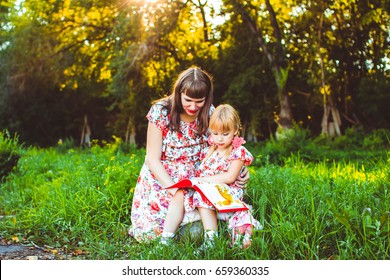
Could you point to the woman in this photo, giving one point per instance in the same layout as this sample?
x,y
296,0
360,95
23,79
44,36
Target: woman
x,y
176,136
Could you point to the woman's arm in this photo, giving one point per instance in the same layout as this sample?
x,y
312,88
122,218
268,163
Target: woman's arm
x,y
228,177
153,157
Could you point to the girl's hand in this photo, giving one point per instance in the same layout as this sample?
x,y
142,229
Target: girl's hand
x,y
243,178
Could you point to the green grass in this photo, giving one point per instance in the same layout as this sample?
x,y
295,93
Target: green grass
x,y
321,212
80,199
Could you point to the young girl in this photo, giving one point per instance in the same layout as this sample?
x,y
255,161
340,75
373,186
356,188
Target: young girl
x,y
223,162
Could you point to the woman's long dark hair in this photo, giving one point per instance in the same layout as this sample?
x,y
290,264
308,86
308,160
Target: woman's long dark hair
x,y
197,84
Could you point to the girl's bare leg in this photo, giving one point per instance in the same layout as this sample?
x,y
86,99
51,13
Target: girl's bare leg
x,y
210,226
209,219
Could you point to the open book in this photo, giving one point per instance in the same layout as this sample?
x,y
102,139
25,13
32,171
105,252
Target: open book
x,y
216,193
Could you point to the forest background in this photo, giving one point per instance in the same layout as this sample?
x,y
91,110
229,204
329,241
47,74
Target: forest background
x,y
69,67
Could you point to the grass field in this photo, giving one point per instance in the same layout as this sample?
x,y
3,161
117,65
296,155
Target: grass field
x,y
314,203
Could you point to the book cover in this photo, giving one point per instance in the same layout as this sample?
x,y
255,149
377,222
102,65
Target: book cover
x,y
217,194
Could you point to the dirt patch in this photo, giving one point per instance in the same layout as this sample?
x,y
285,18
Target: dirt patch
x,y
12,251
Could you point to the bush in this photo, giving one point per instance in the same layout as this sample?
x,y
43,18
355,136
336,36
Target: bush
x,y
293,141
9,153
354,145
377,138
64,146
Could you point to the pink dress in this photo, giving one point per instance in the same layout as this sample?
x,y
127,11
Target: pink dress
x,y
181,152
217,164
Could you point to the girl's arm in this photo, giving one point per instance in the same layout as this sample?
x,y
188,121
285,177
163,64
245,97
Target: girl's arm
x,y
228,177
153,157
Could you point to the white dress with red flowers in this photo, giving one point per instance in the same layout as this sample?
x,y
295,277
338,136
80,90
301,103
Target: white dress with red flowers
x,y
216,164
181,152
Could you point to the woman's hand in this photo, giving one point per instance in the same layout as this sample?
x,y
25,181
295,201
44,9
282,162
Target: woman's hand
x,y
243,178
172,191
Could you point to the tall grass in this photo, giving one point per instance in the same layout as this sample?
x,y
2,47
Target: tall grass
x,y
9,153
317,211
80,200
77,198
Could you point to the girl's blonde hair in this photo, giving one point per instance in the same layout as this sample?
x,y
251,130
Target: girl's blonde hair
x,y
224,118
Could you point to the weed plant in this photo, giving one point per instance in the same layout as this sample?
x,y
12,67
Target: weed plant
x,y
312,206
9,153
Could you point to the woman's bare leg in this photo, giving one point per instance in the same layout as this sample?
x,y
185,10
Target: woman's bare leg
x,y
175,213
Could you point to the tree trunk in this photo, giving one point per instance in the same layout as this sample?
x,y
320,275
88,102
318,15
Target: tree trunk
x,y
86,133
330,126
130,132
285,114
331,120
279,64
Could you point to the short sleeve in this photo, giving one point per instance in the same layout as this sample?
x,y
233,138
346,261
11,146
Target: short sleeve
x,y
243,154
158,115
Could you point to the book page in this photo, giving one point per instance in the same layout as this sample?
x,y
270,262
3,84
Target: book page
x,y
218,194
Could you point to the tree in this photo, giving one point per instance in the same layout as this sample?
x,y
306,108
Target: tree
x,y
348,40
58,68
63,60
329,127
276,56
243,78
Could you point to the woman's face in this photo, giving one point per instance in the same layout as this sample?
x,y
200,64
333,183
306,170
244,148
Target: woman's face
x,y
192,106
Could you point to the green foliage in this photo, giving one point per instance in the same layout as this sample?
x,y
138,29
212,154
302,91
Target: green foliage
x,y
64,146
377,138
317,211
295,140
355,145
62,60
80,199
373,99
9,153
71,198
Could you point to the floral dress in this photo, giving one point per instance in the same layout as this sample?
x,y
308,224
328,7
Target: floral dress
x,y
217,164
181,152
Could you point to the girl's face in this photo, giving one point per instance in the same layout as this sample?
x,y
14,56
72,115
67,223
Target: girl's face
x,y
192,106
223,139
